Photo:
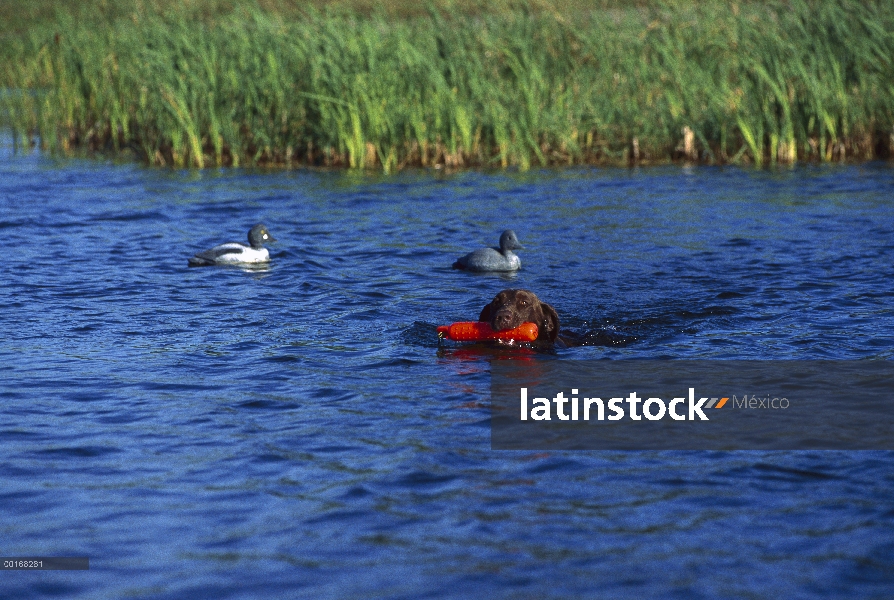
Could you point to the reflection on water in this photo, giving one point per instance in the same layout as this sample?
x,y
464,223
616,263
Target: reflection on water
x,y
236,432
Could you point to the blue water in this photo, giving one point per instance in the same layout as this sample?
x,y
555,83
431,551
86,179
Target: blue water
x,y
297,432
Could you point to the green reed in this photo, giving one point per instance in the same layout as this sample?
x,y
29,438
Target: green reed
x,y
523,85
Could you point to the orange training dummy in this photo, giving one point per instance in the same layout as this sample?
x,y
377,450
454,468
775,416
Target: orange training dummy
x,y
479,331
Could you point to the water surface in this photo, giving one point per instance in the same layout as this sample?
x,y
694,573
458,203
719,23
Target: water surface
x,y
296,431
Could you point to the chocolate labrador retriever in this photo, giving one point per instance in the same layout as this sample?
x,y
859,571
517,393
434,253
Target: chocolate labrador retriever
x,y
511,308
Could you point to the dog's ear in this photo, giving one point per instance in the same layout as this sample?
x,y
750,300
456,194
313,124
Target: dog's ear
x,y
486,313
550,322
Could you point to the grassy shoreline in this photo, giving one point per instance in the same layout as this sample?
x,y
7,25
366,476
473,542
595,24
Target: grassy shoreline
x,y
517,85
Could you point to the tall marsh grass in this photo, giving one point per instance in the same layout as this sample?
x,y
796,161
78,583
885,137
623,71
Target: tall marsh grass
x,y
716,82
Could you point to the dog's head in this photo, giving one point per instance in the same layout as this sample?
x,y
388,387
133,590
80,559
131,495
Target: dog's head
x,y
511,308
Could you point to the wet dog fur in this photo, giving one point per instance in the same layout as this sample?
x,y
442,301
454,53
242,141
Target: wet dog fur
x,y
511,308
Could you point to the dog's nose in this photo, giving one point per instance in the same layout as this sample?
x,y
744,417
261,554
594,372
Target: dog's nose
x,y
503,320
